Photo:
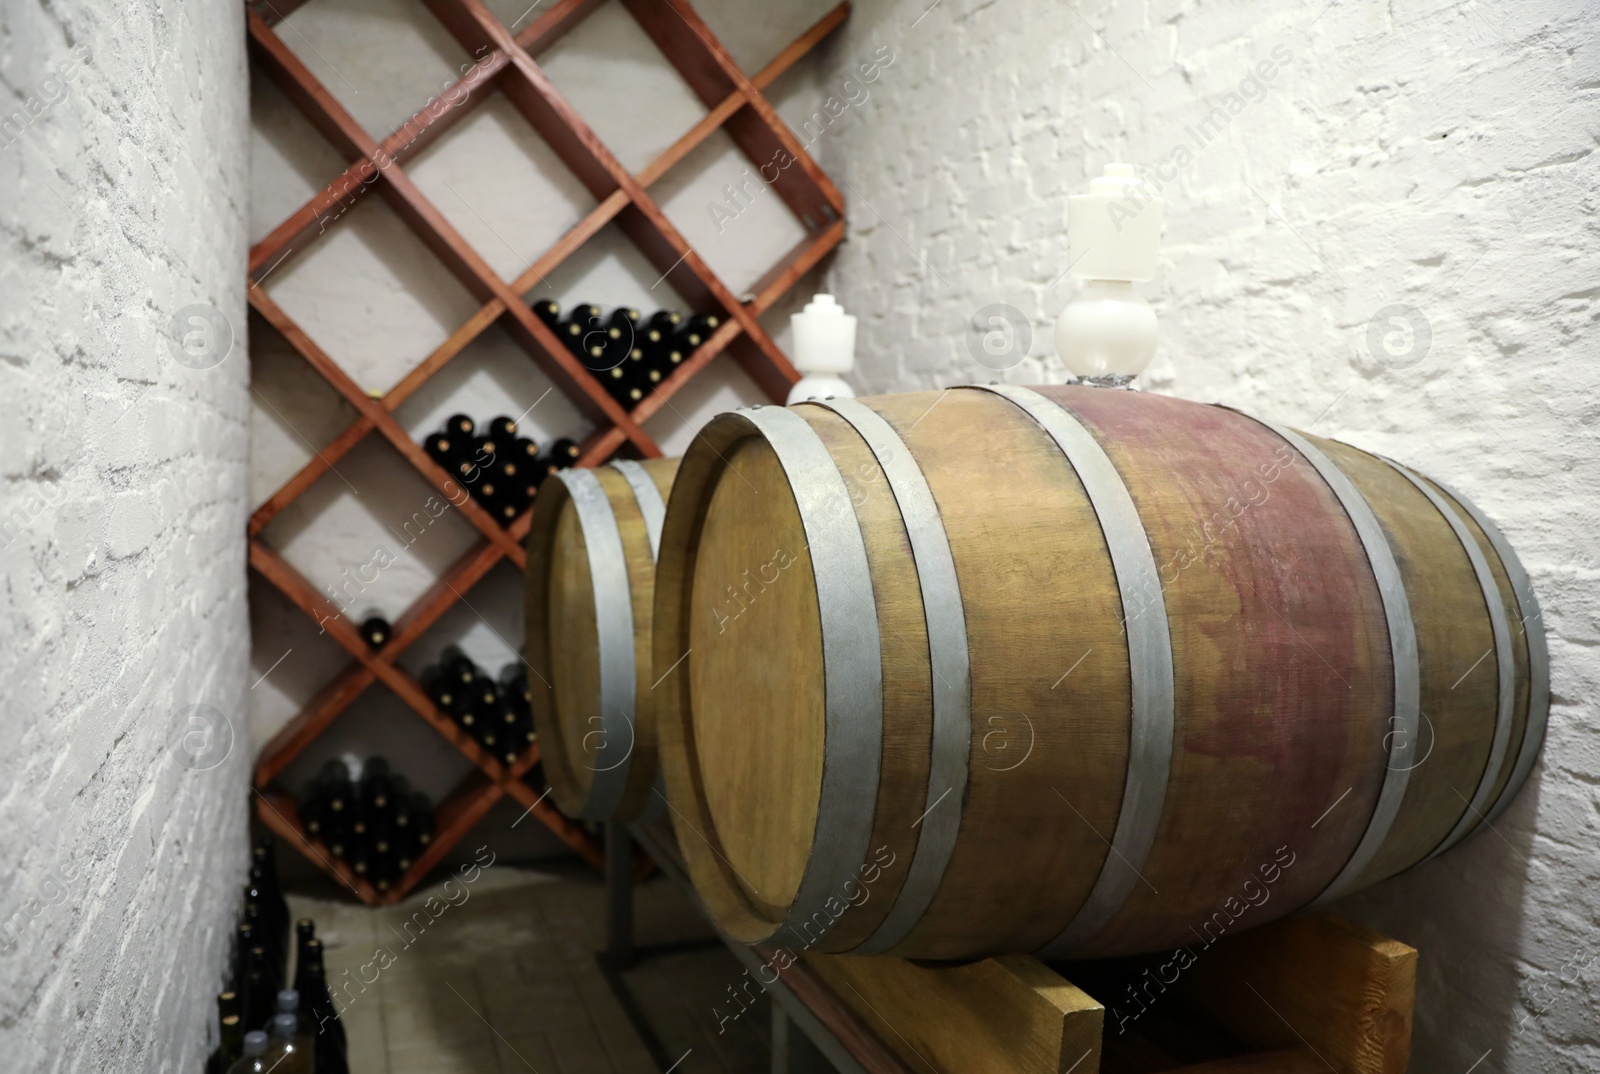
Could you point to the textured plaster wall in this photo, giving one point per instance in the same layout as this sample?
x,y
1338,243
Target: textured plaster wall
x,y
1438,156
123,480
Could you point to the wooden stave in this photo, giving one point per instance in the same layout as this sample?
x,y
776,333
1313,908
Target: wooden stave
x,y
947,951
571,779
1323,723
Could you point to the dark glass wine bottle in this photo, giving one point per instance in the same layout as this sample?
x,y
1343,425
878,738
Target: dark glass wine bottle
x,y
564,452
322,1014
460,426
581,330
376,785
444,449
503,429
525,451
230,1034
422,818
664,321
687,339
441,687
274,910
305,930
376,631
547,311
703,324
255,997
244,938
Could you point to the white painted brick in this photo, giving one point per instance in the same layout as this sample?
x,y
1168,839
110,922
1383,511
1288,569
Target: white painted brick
x,y
121,202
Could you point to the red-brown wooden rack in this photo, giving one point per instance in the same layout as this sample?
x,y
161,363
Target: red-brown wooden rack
x,y
507,65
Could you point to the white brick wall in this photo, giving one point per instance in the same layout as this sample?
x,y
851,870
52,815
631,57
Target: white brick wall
x,y
122,503
1436,154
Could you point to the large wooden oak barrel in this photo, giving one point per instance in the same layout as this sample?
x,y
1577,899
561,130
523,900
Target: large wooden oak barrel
x,y
590,590
1071,670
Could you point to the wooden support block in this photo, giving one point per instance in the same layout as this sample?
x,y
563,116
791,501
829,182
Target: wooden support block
x,y
1285,1061
1010,1014
1319,982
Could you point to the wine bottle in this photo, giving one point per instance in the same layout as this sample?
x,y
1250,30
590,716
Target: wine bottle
x,y
376,786
687,339
617,385
318,1006
547,311
460,427
255,997
581,330
662,352
440,687
375,630
703,324
485,449
507,505
664,321
564,452
252,1060
459,666
289,1006
275,910
265,936
243,940
422,818
305,930
230,1035
625,319
264,872
524,451
643,374
283,1052
444,449
503,430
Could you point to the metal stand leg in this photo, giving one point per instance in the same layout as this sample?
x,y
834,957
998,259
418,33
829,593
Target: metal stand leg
x,y
792,1050
619,953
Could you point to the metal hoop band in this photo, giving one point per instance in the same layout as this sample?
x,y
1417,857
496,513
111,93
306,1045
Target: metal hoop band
x,y
852,659
952,673
648,498
1532,623
613,609
1144,791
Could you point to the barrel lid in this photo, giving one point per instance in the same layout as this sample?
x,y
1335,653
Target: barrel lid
x,y
756,676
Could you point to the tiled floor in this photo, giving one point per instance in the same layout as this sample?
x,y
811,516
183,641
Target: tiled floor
x,y
498,976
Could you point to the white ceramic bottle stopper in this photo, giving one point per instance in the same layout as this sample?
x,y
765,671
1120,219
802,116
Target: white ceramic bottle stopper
x,y
1107,334
824,347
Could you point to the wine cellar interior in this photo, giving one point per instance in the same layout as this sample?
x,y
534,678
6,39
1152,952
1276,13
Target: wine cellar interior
x,y
826,535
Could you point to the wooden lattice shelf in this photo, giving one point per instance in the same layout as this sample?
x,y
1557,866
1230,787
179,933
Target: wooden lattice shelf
x,y
735,105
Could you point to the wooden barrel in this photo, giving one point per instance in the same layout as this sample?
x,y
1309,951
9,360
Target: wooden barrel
x,y
1071,670
591,585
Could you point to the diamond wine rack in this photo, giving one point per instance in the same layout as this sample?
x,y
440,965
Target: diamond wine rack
x,y
508,66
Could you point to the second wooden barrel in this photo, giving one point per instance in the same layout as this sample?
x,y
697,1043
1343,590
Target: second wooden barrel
x,y
1077,671
591,583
